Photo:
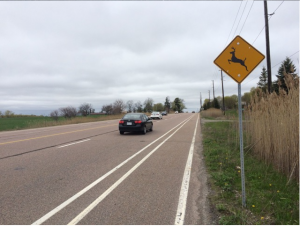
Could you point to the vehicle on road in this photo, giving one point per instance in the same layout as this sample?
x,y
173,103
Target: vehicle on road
x,y
164,113
156,115
176,112
135,122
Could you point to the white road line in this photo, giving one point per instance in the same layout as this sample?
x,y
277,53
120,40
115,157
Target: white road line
x,y
73,143
108,191
77,195
179,220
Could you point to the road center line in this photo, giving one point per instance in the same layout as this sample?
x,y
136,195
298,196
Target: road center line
x,y
179,220
73,143
108,191
77,195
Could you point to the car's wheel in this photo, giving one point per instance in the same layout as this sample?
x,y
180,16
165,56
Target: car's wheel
x,y
121,132
145,130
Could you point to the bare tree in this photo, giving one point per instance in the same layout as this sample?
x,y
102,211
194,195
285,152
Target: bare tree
x,y
54,114
118,106
68,112
107,109
85,109
130,105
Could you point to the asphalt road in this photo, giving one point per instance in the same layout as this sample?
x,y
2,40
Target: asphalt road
x,y
90,174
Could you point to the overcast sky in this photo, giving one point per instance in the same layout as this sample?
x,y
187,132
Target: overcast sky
x,y
58,54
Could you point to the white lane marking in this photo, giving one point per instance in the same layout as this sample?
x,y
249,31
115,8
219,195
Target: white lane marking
x,y
108,191
77,195
179,220
73,143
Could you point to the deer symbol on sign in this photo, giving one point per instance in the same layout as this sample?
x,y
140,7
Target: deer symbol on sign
x,y
236,60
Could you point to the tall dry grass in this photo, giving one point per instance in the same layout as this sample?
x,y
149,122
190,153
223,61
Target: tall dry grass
x,y
273,128
212,113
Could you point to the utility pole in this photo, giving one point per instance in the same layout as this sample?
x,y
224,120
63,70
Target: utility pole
x,y
208,98
268,46
223,93
200,101
213,89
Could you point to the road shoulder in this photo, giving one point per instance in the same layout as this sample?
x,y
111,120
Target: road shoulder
x,y
202,212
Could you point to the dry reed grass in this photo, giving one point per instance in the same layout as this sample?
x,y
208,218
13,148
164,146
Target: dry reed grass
x,y
273,128
212,113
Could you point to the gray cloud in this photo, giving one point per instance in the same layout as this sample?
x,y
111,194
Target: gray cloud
x,y
55,54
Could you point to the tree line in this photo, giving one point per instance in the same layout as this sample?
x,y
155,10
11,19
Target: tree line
x,y
147,106
119,106
231,102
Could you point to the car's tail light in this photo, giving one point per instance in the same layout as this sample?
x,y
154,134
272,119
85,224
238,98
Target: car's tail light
x,y
138,122
121,122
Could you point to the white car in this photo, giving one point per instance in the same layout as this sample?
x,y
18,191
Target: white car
x,y
155,115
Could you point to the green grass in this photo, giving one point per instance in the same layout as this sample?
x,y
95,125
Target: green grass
x,y
234,113
17,123
269,199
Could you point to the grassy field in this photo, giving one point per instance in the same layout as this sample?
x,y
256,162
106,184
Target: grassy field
x,y
270,197
17,123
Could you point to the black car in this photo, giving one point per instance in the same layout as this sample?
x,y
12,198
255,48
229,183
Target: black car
x,y
135,122
164,113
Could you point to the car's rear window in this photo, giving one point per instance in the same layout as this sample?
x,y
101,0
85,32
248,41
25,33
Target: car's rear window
x,y
132,116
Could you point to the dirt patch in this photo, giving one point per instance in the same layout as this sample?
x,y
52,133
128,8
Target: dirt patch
x,y
206,213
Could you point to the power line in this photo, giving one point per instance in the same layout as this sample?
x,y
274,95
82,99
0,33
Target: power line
x,y
259,33
246,17
270,16
234,22
240,18
268,20
289,57
272,67
278,6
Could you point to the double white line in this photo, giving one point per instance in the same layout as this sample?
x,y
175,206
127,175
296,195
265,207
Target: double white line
x,y
107,192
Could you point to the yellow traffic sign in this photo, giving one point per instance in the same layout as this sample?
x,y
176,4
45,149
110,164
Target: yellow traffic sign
x,y
239,59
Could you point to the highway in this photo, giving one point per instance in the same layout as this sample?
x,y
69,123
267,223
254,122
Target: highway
x,y
90,174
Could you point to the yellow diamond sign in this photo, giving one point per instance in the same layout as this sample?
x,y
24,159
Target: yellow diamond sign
x,y
239,59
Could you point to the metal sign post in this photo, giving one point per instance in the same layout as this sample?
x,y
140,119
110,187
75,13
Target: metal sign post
x,y
238,60
241,146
